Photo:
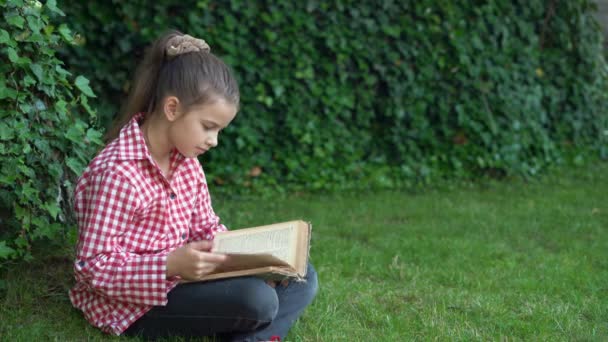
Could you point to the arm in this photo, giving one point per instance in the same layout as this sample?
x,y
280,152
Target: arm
x,y
205,223
105,207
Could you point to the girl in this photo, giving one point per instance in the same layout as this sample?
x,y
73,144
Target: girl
x,y
145,218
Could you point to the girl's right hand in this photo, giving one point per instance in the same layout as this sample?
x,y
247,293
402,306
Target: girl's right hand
x,y
194,260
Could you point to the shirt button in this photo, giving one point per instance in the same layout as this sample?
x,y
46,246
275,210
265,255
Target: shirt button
x,y
184,236
172,195
81,263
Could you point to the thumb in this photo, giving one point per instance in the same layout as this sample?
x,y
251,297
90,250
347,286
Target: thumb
x,y
203,245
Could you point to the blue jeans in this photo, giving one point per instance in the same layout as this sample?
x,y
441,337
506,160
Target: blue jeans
x,y
234,309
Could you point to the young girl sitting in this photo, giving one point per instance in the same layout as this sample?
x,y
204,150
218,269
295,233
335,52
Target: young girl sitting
x,y
145,218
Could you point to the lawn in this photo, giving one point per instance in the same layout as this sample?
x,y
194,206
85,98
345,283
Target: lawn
x,y
509,260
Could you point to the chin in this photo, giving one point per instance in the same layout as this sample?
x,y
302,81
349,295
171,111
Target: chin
x,y
189,154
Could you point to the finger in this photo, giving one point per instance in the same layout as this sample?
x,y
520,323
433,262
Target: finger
x,y
271,283
214,246
214,258
203,245
285,282
203,269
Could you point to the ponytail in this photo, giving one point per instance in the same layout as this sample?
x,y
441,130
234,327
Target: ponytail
x,y
180,65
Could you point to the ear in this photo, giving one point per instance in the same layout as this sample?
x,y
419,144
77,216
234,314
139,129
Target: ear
x,y
171,108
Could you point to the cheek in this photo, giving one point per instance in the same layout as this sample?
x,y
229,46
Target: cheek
x,y
199,133
192,130
185,133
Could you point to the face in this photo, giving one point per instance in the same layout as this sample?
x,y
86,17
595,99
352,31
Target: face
x,y
196,131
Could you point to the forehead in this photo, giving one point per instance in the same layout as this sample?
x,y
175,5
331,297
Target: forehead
x,y
219,112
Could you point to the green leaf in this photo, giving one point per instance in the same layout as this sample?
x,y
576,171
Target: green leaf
x,y
52,209
28,80
62,71
6,133
94,136
5,251
43,146
55,170
46,230
20,126
15,3
4,37
74,133
35,24
27,148
28,171
52,5
74,165
37,70
65,32
21,242
82,83
85,103
7,92
12,55
16,20
36,38
61,109
25,107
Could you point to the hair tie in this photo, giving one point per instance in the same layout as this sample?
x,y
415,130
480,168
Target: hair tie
x,y
178,45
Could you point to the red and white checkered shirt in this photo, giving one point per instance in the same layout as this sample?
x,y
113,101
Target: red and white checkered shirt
x,y
130,217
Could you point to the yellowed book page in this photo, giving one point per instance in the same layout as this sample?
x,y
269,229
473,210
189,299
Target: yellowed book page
x,y
269,272
238,261
303,247
278,240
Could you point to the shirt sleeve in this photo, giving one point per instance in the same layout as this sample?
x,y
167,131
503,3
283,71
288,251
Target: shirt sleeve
x,y
205,223
105,206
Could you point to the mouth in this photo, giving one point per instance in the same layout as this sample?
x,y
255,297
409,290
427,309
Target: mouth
x,y
201,150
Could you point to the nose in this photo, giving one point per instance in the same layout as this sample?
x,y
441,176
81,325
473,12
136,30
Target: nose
x,y
212,140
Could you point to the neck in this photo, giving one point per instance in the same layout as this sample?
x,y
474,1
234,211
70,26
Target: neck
x,y
155,135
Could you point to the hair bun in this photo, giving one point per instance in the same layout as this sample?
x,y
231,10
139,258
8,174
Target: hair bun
x,y
178,45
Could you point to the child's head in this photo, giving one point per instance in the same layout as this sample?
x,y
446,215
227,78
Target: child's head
x,y
180,66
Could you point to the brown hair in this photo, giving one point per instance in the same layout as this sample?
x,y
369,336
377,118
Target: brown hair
x,y
180,65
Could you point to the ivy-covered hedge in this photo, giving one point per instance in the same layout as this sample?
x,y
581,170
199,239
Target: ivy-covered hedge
x,y
352,93
45,138
336,94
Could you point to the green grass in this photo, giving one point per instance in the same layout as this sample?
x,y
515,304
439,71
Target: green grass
x,y
489,261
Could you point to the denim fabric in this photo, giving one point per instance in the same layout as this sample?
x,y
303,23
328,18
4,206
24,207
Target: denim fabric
x,y
236,309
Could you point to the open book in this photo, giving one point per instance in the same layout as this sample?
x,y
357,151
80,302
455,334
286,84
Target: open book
x,y
275,251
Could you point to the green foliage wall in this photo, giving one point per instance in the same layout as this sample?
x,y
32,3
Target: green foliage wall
x,y
45,138
382,93
340,94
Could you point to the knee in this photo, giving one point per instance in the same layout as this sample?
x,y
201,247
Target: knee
x,y
258,302
312,283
